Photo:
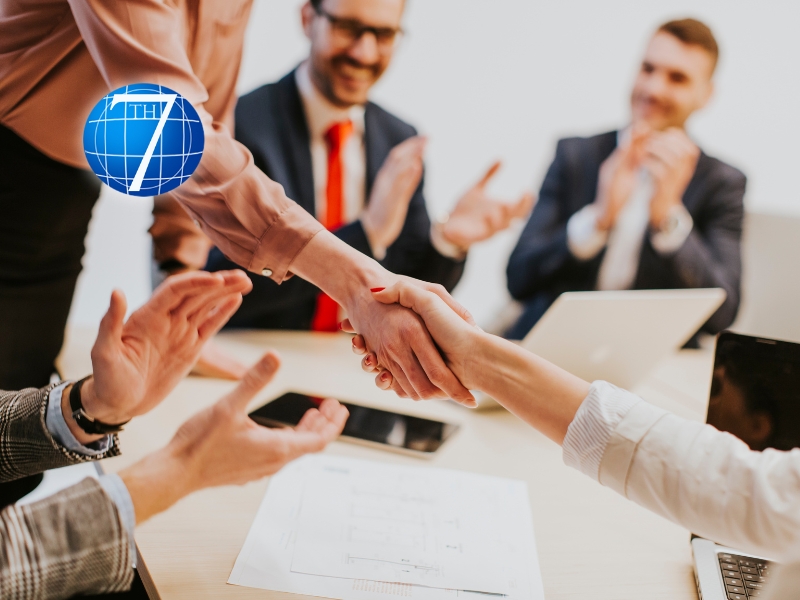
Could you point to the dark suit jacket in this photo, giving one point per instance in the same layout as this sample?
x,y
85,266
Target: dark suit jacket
x,y
271,123
542,266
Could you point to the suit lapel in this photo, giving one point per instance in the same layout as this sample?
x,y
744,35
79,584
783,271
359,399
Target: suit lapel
x,y
694,190
295,140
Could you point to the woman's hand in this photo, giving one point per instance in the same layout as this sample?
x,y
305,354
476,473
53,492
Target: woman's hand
x,y
454,335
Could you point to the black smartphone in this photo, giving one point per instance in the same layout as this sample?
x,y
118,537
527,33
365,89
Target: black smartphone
x,y
388,430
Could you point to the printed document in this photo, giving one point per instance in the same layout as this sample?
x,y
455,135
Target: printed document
x,y
352,529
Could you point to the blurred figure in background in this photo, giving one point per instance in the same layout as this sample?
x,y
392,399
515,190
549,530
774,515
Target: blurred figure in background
x,y
643,207
357,168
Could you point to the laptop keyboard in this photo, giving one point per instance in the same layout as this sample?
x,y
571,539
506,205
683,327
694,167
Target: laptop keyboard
x,y
744,576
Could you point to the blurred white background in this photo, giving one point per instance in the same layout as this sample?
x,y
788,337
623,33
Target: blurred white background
x,y
487,79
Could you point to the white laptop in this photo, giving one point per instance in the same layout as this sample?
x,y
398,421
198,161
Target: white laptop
x,y
620,336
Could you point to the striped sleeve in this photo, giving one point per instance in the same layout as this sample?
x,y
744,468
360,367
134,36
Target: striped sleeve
x,y
591,429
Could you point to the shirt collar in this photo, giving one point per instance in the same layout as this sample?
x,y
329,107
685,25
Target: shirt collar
x,y
320,113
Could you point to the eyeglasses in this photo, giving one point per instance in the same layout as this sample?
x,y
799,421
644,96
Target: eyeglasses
x,y
349,31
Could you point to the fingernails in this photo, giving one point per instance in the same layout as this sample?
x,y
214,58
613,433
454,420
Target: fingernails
x,y
376,290
384,377
339,325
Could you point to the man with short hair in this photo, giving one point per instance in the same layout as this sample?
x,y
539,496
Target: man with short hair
x,y
640,208
354,166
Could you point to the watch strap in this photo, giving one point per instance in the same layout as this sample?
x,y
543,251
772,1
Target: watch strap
x,y
84,421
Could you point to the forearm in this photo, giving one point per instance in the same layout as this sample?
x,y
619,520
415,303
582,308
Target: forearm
x,y
342,272
705,480
156,482
73,542
541,394
27,443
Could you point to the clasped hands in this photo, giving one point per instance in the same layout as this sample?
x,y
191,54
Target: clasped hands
x,y
450,326
670,158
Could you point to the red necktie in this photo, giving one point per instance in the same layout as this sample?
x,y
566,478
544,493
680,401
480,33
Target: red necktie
x,y
326,315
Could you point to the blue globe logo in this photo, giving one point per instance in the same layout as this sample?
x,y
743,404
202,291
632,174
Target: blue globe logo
x,y
143,139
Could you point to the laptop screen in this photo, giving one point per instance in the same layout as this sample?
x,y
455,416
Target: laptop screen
x,y
755,391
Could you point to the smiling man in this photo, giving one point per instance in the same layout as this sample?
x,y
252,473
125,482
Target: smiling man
x,y
354,166
643,207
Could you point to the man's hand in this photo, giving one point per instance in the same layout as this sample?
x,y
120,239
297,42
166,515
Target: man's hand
x,y
618,175
394,186
671,159
453,335
222,446
138,362
401,344
478,217
395,334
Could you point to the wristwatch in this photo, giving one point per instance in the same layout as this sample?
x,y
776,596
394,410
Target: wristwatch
x,y
84,421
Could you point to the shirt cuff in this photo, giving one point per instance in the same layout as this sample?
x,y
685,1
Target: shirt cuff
x,y
115,488
590,431
58,428
443,247
667,242
583,238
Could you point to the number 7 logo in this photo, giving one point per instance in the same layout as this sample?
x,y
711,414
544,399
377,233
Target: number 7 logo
x,y
169,101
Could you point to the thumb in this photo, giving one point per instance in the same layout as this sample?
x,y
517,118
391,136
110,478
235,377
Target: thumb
x,y
407,295
114,319
259,375
428,304
523,206
490,173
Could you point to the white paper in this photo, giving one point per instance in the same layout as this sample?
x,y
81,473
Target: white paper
x,y
489,511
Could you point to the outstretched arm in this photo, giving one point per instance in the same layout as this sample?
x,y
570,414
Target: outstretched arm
x,y
136,363
77,541
705,480
223,446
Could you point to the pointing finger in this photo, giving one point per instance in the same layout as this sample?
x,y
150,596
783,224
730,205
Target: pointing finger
x,y
490,173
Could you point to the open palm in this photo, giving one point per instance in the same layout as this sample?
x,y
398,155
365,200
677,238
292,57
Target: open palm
x,y
477,216
137,362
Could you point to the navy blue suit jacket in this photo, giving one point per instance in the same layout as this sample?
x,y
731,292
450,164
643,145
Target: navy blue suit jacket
x,y
271,123
542,266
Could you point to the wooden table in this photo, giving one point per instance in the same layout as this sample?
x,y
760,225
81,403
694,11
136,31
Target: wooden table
x,y
592,543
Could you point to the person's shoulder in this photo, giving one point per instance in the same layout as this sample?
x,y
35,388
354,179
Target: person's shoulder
x,y
580,150
391,125
584,143
714,168
262,96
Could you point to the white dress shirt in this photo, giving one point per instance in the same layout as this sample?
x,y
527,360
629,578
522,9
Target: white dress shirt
x,y
624,242
320,115
692,474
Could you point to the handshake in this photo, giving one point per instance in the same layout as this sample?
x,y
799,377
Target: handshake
x,y
137,363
